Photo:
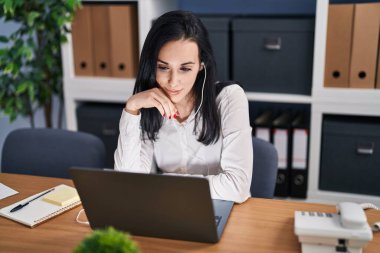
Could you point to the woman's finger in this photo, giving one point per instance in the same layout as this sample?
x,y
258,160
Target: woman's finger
x,y
168,103
158,105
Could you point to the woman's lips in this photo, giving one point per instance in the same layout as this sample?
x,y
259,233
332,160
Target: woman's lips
x,y
173,92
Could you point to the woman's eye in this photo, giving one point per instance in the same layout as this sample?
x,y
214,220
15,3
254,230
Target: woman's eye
x,y
186,69
162,67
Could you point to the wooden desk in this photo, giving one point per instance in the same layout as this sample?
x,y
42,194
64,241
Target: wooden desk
x,y
258,225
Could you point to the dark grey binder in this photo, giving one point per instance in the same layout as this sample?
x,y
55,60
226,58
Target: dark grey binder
x,y
299,174
283,123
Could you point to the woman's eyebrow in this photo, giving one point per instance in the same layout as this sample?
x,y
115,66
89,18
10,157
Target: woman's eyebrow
x,y
189,62
164,62
185,63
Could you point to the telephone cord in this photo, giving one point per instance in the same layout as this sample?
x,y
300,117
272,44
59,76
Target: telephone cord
x,y
369,206
376,226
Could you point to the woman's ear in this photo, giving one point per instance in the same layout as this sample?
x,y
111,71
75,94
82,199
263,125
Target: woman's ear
x,y
202,66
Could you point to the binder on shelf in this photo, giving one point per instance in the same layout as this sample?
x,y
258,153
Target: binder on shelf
x,y
263,124
124,40
299,157
378,68
281,141
82,42
338,45
101,41
364,45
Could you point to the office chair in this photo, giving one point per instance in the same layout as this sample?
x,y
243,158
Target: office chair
x,y
50,152
264,169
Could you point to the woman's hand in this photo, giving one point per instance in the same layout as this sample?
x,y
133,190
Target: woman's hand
x,y
151,98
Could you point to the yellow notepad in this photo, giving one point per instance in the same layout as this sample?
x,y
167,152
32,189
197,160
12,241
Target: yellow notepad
x,y
62,197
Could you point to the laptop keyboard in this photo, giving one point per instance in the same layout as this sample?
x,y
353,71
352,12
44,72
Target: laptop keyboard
x,y
217,220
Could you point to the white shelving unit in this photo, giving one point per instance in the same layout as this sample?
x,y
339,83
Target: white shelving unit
x,y
278,98
338,101
79,89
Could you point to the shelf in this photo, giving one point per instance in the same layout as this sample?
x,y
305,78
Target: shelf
x,y
329,197
278,98
99,89
348,96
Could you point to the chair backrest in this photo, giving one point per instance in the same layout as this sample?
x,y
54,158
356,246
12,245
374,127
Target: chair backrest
x,y
264,169
50,152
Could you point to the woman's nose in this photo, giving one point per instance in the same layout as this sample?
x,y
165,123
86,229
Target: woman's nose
x,y
173,79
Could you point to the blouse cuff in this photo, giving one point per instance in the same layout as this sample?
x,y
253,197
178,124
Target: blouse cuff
x,y
129,122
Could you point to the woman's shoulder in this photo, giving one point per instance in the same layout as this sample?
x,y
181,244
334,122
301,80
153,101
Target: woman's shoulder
x,y
232,100
229,90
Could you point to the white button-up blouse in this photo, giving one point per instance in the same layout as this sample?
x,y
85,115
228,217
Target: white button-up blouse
x,y
227,164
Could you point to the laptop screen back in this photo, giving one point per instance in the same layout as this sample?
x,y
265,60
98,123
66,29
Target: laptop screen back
x,y
174,207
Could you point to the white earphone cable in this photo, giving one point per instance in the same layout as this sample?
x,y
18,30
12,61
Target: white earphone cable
x,y
203,86
80,221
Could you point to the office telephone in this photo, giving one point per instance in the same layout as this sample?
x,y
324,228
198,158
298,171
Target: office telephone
x,y
345,231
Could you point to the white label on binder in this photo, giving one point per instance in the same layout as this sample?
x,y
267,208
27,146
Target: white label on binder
x,y
280,141
299,149
263,133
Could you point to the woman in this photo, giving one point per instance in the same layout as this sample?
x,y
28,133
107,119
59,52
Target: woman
x,y
179,120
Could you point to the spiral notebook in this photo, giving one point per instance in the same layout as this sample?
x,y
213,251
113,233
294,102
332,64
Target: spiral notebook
x,y
60,200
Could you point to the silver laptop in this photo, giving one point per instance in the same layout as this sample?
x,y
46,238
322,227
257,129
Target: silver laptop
x,y
173,207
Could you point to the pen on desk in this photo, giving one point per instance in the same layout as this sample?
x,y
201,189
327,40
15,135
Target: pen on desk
x,y
14,209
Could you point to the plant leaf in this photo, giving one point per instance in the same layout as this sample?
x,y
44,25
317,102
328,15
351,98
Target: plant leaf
x,y
12,116
19,104
31,17
2,93
22,87
8,7
4,39
9,68
31,92
3,51
26,52
63,38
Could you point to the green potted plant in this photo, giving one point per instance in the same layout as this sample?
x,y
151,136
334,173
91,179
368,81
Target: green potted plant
x,y
30,61
106,241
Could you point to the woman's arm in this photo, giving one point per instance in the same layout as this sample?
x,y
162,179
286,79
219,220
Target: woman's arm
x,y
234,182
132,154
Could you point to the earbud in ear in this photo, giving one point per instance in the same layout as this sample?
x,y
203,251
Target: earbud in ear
x,y
202,65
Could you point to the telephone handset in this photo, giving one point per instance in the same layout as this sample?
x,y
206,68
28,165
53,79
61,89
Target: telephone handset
x,y
345,231
352,215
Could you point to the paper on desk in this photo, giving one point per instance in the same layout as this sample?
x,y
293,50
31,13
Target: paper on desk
x,y
6,191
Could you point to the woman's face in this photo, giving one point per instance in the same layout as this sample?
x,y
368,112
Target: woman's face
x,y
178,65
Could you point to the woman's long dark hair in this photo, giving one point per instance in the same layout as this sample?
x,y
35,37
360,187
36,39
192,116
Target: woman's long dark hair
x,y
173,26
